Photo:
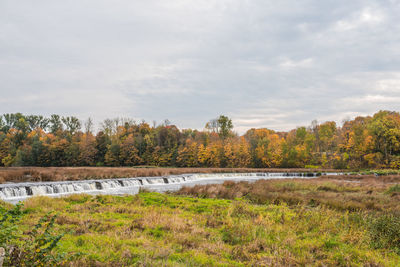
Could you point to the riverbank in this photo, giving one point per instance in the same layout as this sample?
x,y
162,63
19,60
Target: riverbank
x,y
15,192
51,174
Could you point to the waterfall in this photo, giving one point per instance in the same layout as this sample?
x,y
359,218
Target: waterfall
x,y
19,191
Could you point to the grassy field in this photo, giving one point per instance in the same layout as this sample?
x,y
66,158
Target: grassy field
x,y
342,193
36,174
320,222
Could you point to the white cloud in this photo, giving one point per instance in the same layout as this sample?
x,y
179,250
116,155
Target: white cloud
x,y
288,63
373,99
366,17
389,85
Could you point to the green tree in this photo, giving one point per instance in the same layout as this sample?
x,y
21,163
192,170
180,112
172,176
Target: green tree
x,y
72,124
222,125
55,123
385,127
37,121
225,126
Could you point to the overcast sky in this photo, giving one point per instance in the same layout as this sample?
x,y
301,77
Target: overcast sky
x,y
275,64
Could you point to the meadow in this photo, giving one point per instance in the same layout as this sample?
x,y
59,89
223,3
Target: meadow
x,y
329,221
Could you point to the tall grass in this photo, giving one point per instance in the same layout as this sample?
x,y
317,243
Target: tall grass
x,y
151,229
384,232
34,174
336,194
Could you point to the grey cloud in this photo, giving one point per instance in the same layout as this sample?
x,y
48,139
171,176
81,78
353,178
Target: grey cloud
x,y
275,64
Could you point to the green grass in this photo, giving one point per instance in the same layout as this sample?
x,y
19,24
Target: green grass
x,y
151,229
372,196
393,189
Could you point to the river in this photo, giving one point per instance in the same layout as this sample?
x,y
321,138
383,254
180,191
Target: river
x,y
15,192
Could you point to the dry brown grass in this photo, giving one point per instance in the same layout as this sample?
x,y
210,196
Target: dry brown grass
x,y
337,192
151,229
36,174
366,179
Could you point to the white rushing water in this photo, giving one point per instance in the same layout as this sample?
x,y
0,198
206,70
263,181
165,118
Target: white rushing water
x,y
14,192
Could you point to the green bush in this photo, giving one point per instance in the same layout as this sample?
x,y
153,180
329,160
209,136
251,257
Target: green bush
x,y
157,232
34,248
8,224
312,167
393,189
384,232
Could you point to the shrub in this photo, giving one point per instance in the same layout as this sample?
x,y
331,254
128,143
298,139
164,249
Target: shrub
x,y
33,249
393,189
8,225
240,232
157,232
312,167
37,247
384,232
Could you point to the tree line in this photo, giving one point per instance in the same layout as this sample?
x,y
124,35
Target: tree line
x,y
34,140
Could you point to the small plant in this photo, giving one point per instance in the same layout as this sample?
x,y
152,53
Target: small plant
x,y
34,248
80,242
37,248
9,230
385,232
157,232
327,188
312,167
8,224
393,189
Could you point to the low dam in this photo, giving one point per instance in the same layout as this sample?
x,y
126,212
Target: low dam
x,y
15,192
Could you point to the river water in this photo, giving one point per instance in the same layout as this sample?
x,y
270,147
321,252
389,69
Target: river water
x,y
15,192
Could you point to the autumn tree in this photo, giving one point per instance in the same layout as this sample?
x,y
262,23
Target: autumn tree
x,y
129,154
188,155
34,140
385,127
